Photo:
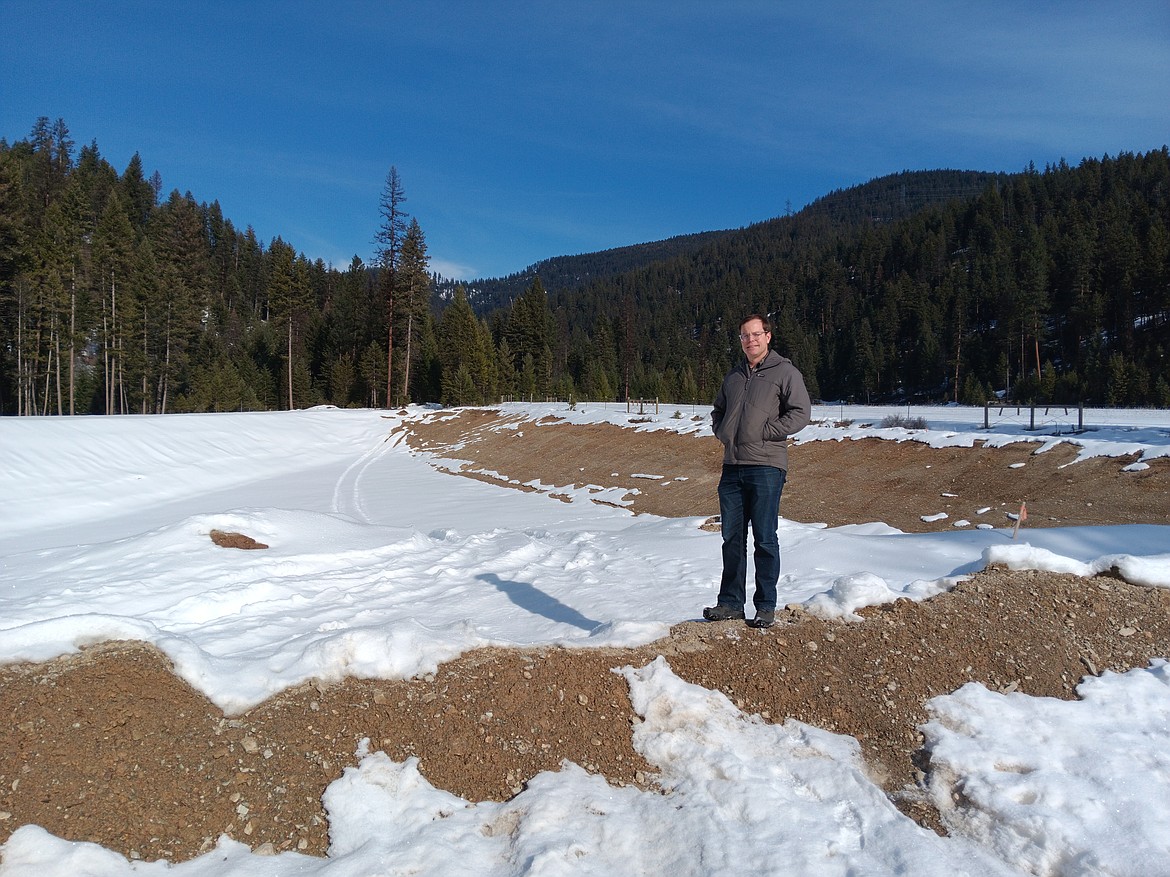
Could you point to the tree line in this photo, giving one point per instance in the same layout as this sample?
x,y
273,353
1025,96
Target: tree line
x,y
1050,285
117,300
1045,286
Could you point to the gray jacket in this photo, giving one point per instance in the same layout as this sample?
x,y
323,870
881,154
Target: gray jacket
x,y
757,409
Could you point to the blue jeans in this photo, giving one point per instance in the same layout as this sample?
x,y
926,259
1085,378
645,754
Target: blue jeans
x,y
750,495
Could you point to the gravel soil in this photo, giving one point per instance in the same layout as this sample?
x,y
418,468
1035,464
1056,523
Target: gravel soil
x,y
110,746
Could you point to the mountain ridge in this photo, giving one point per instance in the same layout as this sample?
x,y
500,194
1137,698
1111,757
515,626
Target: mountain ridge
x,y
880,200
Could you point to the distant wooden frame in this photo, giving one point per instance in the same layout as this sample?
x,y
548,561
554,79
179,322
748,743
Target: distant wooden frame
x,y
1046,408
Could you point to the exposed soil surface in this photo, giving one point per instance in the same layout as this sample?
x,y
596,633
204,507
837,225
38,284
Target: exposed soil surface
x,y
110,746
835,483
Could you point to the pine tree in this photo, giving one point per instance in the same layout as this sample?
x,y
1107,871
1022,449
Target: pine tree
x,y
113,260
506,369
181,254
389,239
459,345
289,300
415,282
529,333
137,193
372,369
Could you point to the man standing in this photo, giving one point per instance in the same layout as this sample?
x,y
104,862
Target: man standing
x,y
762,402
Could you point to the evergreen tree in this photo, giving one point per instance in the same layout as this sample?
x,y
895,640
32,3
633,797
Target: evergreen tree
x,y
372,369
465,354
342,376
137,193
181,252
288,300
415,282
114,255
390,238
529,333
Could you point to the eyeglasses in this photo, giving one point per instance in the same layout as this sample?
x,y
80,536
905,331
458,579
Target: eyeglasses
x,y
751,336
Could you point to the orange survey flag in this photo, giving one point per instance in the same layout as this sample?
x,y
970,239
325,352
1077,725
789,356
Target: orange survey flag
x,y
1020,518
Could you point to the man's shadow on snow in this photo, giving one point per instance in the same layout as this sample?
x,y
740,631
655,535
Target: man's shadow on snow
x,y
536,601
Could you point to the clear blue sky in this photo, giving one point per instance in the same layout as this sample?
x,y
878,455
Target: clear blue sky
x,y
533,129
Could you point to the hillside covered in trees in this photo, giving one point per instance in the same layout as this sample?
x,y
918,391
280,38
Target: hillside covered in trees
x,y
1050,285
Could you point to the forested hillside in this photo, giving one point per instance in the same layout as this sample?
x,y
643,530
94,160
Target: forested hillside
x,y
571,272
885,199
1052,285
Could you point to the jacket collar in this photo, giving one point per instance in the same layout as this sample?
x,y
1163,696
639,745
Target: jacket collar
x,y
771,358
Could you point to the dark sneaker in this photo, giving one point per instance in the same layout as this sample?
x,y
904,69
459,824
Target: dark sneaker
x,y
720,612
763,619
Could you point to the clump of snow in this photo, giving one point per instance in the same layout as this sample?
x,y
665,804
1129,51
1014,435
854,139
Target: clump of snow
x,y
1058,787
1151,570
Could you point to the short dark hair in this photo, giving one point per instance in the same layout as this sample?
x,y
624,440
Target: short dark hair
x,y
767,323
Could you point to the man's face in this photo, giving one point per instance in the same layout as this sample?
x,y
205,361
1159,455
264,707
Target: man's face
x,y
754,340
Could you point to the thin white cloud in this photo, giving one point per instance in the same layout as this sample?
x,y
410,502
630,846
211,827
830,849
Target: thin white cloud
x,y
455,270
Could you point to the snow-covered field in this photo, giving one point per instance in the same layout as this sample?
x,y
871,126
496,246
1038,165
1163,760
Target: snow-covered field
x,y
380,564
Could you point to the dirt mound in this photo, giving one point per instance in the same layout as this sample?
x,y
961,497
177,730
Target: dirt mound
x,y
835,483
110,746
235,540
